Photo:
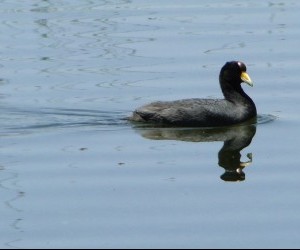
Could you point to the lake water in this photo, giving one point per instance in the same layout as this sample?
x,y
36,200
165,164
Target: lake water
x,y
74,174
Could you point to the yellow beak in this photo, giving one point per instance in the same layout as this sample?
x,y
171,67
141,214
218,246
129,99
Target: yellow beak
x,y
246,78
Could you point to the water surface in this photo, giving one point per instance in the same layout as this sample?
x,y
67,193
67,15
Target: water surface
x,y
75,174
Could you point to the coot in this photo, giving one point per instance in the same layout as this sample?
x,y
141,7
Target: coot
x,y
236,107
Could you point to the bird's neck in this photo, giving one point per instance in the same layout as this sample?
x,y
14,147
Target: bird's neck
x,y
236,94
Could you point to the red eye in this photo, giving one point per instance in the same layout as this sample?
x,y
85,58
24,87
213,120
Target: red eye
x,y
242,66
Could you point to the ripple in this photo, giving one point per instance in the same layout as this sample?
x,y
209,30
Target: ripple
x,y
265,118
28,121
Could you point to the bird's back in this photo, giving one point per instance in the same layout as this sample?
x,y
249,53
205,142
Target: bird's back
x,y
189,112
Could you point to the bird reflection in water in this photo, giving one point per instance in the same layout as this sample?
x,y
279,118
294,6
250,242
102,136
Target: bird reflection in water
x,y
235,139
